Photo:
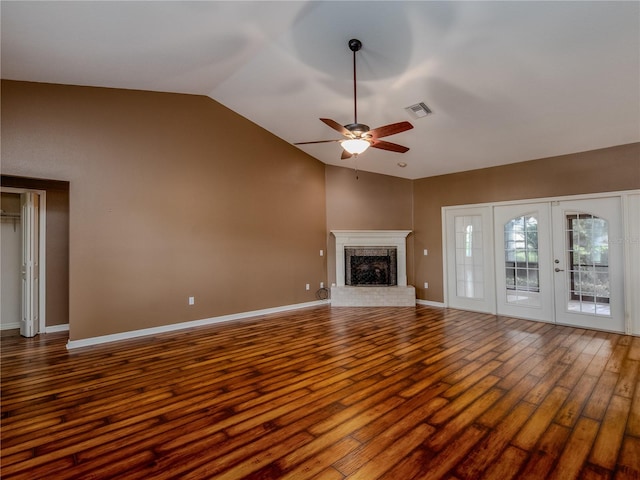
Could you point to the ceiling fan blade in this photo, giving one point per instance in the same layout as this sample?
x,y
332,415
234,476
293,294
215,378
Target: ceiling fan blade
x,y
392,147
336,126
317,141
390,129
345,155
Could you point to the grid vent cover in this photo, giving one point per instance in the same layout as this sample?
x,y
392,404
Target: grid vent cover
x,y
419,110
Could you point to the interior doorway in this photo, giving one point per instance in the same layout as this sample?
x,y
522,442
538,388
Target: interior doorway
x,y
23,260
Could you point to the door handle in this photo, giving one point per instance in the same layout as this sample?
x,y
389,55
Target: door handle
x,y
558,269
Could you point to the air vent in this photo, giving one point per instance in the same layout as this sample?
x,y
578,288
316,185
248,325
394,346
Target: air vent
x,y
419,110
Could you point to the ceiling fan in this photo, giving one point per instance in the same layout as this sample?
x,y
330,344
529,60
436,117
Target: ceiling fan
x,y
359,137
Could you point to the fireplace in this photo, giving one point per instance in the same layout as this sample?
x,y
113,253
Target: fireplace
x,y
368,266
376,260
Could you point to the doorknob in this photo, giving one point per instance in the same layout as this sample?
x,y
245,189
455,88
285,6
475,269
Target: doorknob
x,y
558,269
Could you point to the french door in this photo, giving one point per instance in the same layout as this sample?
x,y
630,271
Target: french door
x,y
588,263
561,262
524,282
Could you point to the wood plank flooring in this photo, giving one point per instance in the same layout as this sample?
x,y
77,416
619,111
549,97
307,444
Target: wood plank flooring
x,y
327,393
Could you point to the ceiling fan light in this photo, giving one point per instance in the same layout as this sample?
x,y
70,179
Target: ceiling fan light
x,y
355,146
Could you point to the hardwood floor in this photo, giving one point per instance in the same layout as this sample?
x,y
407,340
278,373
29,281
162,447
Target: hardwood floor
x,y
321,393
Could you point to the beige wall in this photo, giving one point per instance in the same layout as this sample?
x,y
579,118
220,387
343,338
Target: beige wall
x,y
367,201
170,196
605,170
57,256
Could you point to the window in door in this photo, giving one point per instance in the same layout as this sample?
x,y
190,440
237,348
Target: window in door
x,y
522,272
469,257
588,254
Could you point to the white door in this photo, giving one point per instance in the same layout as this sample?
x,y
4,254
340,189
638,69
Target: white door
x,y
470,282
30,265
588,263
524,266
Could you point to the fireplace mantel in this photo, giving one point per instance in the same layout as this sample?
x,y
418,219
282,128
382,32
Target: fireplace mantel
x,y
374,238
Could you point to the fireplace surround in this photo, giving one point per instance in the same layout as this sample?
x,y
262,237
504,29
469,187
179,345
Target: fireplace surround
x,y
380,261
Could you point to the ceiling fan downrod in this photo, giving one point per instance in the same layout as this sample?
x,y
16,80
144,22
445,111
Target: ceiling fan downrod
x,y
355,45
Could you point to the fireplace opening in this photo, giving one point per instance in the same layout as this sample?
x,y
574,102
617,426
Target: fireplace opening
x,y
368,266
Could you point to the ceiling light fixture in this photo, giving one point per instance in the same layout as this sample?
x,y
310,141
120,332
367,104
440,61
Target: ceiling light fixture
x,y
355,146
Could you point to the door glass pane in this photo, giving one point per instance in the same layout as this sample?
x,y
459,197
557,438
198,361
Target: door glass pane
x,y
521,260
469,263
588,254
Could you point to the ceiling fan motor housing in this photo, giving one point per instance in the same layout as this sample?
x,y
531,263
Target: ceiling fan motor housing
x,y
358,129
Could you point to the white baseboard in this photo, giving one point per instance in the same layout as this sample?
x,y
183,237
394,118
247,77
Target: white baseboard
x,y
57,328
429,303
10,326
87,342
51,329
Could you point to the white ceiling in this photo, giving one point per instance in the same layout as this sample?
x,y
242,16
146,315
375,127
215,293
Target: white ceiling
x,y
507,81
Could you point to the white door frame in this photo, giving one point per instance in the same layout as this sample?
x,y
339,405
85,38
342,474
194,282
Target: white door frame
x,y
42,248
630,239
631,255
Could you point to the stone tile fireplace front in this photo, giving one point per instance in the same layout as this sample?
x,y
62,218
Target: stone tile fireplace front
x,y
367,266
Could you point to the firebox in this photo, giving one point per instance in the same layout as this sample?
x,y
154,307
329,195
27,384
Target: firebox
x,y
370,266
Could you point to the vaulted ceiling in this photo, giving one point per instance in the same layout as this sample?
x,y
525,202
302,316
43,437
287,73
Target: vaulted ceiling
x,y
507,81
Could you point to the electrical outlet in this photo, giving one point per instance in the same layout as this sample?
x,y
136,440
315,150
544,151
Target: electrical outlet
x,y
426,284
192,300
321,284
321,253
426,252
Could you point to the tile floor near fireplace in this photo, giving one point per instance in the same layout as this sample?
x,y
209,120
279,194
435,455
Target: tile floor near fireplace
x,y
373,296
